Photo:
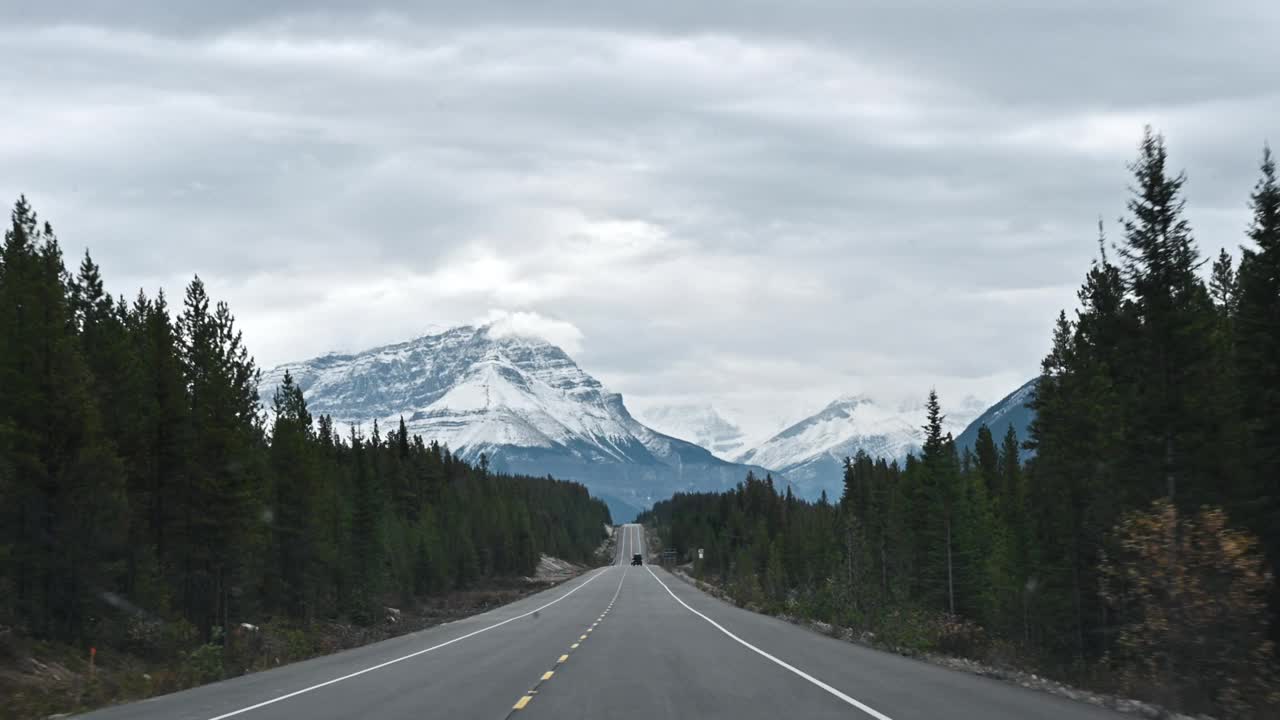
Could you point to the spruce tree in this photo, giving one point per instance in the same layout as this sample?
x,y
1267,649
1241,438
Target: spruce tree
x,y
1174,314
1257,347
941,486
294,472
218,524
1223,287
987,460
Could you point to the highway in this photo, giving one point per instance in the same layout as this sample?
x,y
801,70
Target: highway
x,y
617,642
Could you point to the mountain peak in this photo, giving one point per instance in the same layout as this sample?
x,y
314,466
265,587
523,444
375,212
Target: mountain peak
x,y
518,398
699,423
850,401
810,452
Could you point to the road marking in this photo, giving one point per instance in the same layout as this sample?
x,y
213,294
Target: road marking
x,y
565,658
379,666
864,708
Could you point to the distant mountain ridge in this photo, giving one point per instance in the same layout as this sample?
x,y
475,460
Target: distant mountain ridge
x,y
1012,410
810,453
521,401
700,424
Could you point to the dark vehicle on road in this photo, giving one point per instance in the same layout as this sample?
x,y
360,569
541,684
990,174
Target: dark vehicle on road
x,y
635,559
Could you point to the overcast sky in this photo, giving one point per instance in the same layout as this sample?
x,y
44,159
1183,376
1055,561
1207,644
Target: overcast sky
x,y
760,205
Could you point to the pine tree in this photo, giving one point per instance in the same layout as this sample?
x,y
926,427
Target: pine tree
x,y
987,460
367,552
1058,502
217,514
294,472
1174,312
941,486
1010,509
160,450
1257,346
1223,287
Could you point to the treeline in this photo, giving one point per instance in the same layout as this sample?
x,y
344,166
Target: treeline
x,y
141,484
1134,550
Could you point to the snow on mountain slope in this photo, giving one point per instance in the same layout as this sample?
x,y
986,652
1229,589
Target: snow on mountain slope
x,y
700,424
810,454
1011,411
520,400
845,419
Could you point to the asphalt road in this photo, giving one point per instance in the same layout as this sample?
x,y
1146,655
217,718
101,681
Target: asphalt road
x,y
619,642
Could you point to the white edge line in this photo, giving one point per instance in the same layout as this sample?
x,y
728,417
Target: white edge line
x,y
864,708
379,666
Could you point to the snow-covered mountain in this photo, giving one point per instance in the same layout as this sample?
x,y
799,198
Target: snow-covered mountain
x,y
520,400
810,454
700,424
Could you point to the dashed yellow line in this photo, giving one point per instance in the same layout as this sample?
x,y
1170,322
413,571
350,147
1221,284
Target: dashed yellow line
x,y
528,697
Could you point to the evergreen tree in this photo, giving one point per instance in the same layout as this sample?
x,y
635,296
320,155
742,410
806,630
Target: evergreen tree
x,y
218,525
942,490
1173,312
293,469
1223,286
158,452
1257,345
987,460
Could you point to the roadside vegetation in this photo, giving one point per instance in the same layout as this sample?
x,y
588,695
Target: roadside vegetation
x,y
155,518
1129,545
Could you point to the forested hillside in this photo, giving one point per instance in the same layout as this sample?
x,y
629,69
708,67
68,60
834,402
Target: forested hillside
x,y
142,493
1135,552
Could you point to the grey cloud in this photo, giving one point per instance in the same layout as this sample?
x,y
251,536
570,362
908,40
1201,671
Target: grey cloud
x,y
758,203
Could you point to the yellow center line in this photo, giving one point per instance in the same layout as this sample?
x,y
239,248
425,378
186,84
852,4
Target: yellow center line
x,y
564,658
522,702
572,647
547,675
584,637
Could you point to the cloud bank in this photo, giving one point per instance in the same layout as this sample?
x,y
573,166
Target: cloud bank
x,y
758,205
